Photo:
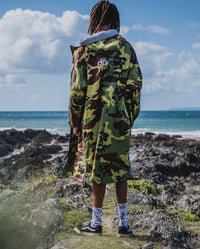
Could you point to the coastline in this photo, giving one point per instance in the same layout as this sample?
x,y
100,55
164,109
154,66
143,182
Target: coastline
x,y
163,196
184,123
134,132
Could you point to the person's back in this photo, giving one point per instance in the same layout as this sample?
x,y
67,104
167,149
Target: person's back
x,y
104,102
108,92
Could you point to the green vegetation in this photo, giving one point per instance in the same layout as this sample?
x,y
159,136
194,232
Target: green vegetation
x,y
4,192
185,215
109,240
50,178
74,218
36,184
142,186
26,190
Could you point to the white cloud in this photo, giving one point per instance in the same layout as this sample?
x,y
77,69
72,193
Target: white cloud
x,y
148,48
152,52
12,81
153,29
38,42
180,74
196,45
124,29
35,41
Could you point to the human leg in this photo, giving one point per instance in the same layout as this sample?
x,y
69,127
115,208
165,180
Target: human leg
x,y
94,226
121,193
98,196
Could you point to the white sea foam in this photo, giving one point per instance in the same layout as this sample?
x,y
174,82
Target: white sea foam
x,y
183,133
64,130
10,128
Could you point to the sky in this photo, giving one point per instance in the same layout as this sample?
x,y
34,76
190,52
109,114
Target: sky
x,y
35,56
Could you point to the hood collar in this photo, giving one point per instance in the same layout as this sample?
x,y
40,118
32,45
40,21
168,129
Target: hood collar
x,y
102,35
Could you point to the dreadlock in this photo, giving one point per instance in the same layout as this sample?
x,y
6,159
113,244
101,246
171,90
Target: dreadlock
x,y
104,13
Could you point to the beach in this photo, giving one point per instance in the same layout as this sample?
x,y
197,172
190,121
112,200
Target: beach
x,y
163,197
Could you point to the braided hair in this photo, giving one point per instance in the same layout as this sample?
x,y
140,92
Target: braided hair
x,y
104,13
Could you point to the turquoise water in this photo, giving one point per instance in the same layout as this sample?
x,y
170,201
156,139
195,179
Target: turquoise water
x,y
185,123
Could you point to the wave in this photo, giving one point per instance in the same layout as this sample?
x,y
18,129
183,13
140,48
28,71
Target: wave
x,y
183,133
56,130
135,131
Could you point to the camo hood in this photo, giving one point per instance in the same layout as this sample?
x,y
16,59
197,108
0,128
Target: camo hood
x,y
104,102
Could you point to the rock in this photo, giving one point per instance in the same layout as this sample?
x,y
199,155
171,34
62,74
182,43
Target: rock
x,y
150,134
61,244
47,217
30,163
29,133
13,139
34,216
5,149
62,139
42,138
143,200
173,237
162,137
34,195
176,136
74,194
148,246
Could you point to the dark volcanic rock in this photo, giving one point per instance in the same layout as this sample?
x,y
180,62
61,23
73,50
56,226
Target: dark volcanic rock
x,y
171,163
13,139
5,149
31,162
148,213
42,138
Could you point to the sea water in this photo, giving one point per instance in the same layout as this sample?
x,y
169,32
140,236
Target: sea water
x,y
184,123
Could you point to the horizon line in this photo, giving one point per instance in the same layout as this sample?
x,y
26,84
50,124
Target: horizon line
x,y
171,109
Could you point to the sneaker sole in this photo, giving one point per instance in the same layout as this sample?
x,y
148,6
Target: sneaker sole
x,y
86,233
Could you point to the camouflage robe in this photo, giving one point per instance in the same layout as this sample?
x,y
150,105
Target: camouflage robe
x,y
104,102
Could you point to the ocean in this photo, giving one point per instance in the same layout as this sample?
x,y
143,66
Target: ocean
x,y
184,123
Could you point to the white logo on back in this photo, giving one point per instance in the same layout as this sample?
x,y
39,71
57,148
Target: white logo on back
x,y
103,62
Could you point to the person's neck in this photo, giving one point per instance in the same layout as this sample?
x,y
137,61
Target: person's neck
x,y
104,28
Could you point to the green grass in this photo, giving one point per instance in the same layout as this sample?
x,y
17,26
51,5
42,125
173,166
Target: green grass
x,y
185,215
27,190
74,218
50,178
109,240
36,183
4,192
142,186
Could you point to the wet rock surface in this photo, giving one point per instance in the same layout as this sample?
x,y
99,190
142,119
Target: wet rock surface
x,y
34,196
173,163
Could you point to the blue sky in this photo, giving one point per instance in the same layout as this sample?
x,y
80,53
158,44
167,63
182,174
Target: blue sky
x,y
35,58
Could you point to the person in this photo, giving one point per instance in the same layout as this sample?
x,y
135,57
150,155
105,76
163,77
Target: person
x,y
104,102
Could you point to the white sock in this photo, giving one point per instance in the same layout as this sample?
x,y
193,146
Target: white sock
x,y
122,210
96,217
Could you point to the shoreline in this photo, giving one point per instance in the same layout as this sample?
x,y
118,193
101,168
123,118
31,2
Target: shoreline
x,y
14,142
162,197
134,132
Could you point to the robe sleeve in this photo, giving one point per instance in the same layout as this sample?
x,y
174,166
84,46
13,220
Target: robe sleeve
x,y
78,87
134,85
